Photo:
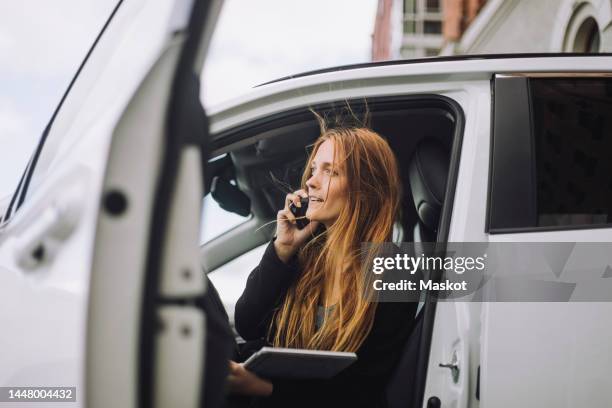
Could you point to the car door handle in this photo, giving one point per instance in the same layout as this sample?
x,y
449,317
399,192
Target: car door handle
x,y
454,367
41,238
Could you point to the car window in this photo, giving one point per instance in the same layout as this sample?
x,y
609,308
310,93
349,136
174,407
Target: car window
x,y
552,164
216,221
230,279
572,120
43,45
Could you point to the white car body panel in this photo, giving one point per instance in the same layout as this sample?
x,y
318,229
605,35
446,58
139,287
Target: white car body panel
x,y
44,310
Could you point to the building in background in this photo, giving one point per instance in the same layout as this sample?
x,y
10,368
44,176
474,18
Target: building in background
x,y
419,28
422,28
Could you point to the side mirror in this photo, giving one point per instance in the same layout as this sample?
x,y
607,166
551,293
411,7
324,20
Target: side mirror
x,y
229,197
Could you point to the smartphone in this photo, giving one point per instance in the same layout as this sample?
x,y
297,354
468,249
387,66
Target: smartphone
x,y
300,213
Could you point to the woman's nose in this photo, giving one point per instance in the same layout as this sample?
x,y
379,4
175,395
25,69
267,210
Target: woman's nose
x,y
312,182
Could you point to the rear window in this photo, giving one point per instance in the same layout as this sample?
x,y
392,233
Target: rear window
x,y
552,153
572,122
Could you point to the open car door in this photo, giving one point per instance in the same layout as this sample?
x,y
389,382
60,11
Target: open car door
x,y
146,334
99,263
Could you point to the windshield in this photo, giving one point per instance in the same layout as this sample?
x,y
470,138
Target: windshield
x,y
42,45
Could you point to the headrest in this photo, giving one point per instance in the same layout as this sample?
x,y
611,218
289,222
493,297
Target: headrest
x,y
428,173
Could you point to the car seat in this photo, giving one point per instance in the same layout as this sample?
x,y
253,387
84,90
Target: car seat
x,y
428,174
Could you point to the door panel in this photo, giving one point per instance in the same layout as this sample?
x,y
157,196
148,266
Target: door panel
x,y
456,325
537,353
147,238
119,263
529,354
48,250
546,354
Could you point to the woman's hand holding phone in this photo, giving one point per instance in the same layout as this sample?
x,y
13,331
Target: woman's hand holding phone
x,y
289,237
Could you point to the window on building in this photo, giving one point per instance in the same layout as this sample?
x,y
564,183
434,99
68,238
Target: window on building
x,y
410,6
432,27
432,5
409,26
587,37
409,52
422,28
572,126
593,42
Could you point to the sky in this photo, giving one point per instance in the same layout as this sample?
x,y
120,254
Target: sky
x,y
257,41
42,44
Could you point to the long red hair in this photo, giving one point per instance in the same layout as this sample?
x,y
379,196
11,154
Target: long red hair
x,y
373,192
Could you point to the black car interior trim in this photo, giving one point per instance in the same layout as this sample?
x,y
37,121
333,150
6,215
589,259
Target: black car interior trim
x,y
512,193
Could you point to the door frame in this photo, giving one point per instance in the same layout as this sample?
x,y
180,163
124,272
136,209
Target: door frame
x,y
222,142
186,125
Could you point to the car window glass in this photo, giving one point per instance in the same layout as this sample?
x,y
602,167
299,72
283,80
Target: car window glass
x,y
216,221
42,45
572,130
230,279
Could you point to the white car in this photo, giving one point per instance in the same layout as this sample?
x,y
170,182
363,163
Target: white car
x,y
100,255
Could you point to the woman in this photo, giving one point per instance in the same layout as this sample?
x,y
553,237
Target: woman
x,y
308,290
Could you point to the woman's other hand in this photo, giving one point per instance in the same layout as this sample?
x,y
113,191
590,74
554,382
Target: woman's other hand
x,y
242,381
288,237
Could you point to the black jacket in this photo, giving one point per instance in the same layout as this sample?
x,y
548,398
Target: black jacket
x,y
360,385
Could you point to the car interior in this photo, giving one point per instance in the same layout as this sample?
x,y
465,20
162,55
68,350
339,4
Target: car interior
x,y
254,167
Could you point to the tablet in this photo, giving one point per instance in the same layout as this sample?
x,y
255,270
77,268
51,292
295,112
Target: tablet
x,y
276,362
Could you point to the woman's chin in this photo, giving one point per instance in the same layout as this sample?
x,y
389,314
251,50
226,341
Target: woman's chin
x,y
311,215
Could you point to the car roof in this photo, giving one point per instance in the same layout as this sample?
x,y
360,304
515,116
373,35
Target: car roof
x,y
310,87
434,59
